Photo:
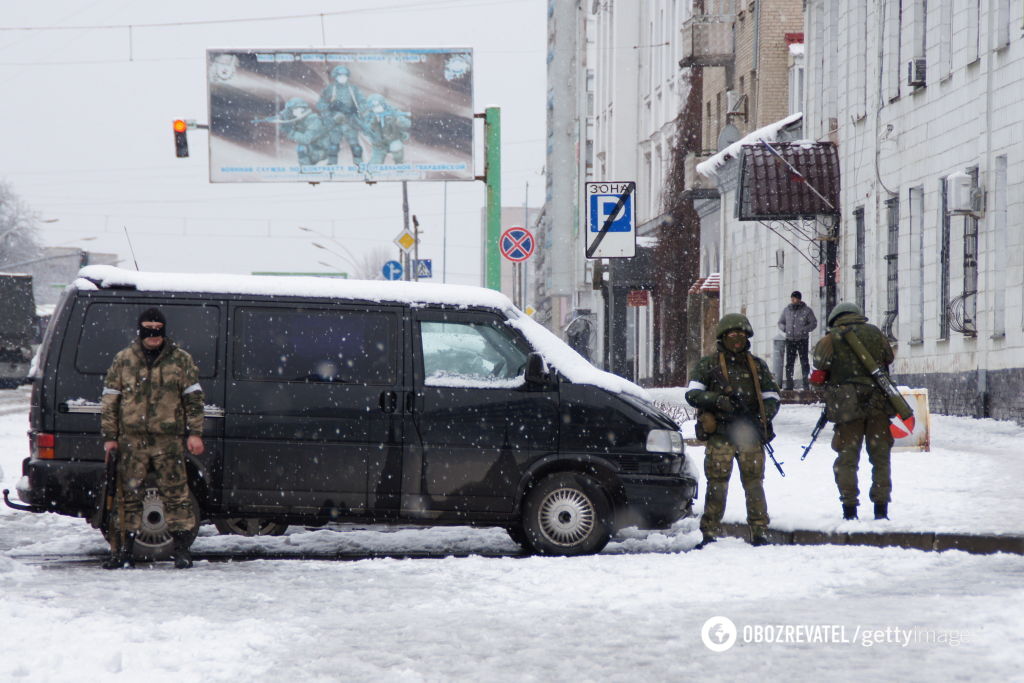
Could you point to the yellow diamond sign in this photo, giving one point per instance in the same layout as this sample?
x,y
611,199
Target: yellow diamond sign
x,y
405,240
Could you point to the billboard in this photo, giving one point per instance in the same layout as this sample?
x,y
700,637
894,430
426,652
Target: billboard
x,y
313,115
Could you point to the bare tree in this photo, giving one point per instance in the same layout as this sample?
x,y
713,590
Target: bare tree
x,y
371,264
19,239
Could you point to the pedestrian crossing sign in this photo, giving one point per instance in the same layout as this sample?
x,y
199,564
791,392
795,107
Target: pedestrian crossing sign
x,y
424,268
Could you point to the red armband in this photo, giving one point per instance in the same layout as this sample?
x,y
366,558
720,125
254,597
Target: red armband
x,y
819,377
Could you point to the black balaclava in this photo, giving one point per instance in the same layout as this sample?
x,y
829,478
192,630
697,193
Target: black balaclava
x,y
152,315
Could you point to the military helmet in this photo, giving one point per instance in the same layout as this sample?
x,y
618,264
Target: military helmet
x,y
296,102
843,308
733,321
339,70
376,98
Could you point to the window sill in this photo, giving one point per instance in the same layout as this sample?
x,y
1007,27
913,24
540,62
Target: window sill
x,y
916,342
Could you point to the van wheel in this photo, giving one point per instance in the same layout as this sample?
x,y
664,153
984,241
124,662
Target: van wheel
x,y
567,514
250,526
153,542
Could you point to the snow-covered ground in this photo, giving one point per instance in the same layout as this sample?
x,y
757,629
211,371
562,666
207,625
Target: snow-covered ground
x,y
636,611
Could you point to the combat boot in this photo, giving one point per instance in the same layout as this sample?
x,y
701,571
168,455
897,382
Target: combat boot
x,y
881,511
122,557
759,537
788,385
705,542
849,511
182,556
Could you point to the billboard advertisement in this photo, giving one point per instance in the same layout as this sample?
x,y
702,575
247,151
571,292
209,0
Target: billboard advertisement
x,y
311,115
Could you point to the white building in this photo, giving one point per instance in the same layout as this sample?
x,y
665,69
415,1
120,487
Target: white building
x,y
924,100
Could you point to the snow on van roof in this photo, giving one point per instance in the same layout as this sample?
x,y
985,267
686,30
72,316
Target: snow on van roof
x,y
286,285
555,351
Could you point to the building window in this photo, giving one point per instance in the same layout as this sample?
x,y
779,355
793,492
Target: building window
x,y
916,252
944,221
967,309
796,85
858,263
892,299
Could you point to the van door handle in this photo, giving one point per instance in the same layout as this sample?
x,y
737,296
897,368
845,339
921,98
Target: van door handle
x,y
388,401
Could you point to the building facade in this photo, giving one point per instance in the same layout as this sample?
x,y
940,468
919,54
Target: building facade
x,y
924,100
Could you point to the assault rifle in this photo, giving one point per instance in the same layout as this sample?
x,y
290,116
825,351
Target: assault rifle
x,y
109,497
740,410
822,421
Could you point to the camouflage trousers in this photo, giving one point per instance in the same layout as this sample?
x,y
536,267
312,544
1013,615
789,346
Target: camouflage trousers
x,y
165,456
874,429
718,456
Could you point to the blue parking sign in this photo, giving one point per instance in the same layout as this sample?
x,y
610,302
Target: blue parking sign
x,y
602,206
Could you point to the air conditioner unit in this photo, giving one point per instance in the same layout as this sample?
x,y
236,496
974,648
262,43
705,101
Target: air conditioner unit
x,y
916,72
963,197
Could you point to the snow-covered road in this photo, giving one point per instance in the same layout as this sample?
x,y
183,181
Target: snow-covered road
x,y
635,612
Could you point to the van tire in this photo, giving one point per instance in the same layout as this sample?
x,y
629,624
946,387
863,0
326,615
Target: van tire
x,y
567,514
250,526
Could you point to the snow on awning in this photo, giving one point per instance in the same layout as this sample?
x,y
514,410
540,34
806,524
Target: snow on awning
x,y
711,283
770,133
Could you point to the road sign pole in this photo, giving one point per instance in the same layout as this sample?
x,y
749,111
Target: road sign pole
x,y
405,221
492,173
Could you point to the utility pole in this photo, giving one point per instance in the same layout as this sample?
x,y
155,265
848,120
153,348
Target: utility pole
x,y
492,177
405,224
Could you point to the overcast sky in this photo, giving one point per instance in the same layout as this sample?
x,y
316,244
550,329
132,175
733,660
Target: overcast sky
x,y
86,129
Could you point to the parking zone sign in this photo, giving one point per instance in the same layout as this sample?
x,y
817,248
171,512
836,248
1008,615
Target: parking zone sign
x,y
611,221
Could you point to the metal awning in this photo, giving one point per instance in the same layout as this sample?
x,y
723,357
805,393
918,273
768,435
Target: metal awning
x,y
788,180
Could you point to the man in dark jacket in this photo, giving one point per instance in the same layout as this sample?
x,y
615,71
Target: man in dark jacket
x,y
737,398
797,321
857,406
152,406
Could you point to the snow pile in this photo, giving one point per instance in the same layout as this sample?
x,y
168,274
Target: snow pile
x,y
770,133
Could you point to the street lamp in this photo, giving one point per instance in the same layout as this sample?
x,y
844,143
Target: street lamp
x,y
347,256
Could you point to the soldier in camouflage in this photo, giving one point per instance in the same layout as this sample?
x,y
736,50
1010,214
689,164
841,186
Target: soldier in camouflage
x,y
736,397
858,407
152,401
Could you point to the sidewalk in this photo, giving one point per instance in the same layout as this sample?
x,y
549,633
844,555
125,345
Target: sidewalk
x,y
963,494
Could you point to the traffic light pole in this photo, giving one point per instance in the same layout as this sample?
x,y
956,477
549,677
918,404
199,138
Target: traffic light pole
x,y
492,177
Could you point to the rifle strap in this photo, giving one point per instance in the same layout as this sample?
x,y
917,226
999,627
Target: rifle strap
x,y
754,375
725,372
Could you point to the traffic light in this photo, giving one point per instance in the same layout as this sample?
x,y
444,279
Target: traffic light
x,y
180,138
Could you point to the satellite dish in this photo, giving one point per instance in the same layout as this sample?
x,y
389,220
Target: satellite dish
x,y
728,135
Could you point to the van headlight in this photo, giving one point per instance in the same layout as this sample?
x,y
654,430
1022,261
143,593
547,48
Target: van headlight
x,y
664,441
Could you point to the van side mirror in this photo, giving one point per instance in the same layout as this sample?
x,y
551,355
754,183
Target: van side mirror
x,y
536,370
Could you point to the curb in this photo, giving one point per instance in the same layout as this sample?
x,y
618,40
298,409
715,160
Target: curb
x,y
927,541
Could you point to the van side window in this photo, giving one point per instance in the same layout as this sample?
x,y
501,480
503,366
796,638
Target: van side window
x,y
470,354
350,347
109,327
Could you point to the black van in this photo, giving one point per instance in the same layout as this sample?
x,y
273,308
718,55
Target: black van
x,y
335,400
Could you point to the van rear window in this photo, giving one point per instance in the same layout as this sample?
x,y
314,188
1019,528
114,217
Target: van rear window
x,y
349,347
109,327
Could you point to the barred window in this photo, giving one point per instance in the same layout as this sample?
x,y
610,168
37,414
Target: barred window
x,y
892,210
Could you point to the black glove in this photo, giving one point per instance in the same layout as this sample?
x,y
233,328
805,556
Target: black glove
x,y
724,404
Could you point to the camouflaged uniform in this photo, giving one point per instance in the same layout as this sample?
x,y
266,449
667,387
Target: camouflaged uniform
x,y
736,435
149,409
855,403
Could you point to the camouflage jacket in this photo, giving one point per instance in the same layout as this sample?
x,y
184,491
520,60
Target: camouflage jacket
x,y
707,383
159,399
833,354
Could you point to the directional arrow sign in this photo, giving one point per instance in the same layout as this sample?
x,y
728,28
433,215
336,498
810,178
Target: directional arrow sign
x,y
392,270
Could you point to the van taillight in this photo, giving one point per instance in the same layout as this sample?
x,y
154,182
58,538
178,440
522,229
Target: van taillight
x,y
44,446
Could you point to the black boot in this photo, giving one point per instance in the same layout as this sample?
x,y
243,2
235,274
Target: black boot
x,y
849,511
182,556
759,537
705,542
122,557
788,385
881,511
